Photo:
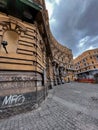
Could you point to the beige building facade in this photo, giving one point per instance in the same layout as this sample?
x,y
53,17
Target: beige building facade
x,y
31,60
86,66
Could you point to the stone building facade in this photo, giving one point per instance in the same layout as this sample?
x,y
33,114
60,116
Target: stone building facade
x,y
31,60
62,59
86,66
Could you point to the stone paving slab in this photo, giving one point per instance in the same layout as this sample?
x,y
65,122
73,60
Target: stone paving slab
x,y
52,115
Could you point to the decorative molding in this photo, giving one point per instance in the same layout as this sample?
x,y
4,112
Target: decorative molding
x,y
12,24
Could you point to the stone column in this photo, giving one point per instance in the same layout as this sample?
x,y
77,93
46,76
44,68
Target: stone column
x,y
58,74
54,73
62,74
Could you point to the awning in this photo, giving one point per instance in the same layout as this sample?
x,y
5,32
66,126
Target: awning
x,y
32,4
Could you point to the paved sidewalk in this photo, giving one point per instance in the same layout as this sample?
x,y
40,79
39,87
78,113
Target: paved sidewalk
x,y
55,113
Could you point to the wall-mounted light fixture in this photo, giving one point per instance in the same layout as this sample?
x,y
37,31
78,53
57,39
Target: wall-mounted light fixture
x,y
4,44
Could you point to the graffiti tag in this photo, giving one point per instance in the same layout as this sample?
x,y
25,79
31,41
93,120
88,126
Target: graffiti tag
x,y
13,99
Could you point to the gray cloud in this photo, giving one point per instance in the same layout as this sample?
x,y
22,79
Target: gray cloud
x,y
75,20
89,20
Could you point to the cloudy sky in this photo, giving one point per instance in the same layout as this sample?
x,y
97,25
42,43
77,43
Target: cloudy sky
x,y
74,23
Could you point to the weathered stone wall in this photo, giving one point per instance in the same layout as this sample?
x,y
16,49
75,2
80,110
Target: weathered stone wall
x,y
17,88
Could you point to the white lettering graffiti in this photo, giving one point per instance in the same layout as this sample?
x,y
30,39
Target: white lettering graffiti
x,y
13,99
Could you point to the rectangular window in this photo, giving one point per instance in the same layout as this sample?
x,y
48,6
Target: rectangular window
x,y
97,57
91,57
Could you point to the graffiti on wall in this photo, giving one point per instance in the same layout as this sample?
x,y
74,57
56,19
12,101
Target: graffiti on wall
x,y
13,99
17,99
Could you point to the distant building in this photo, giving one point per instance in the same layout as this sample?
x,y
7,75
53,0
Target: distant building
x,y
86,65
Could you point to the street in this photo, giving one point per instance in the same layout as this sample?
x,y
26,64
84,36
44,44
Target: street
x,y
71,106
